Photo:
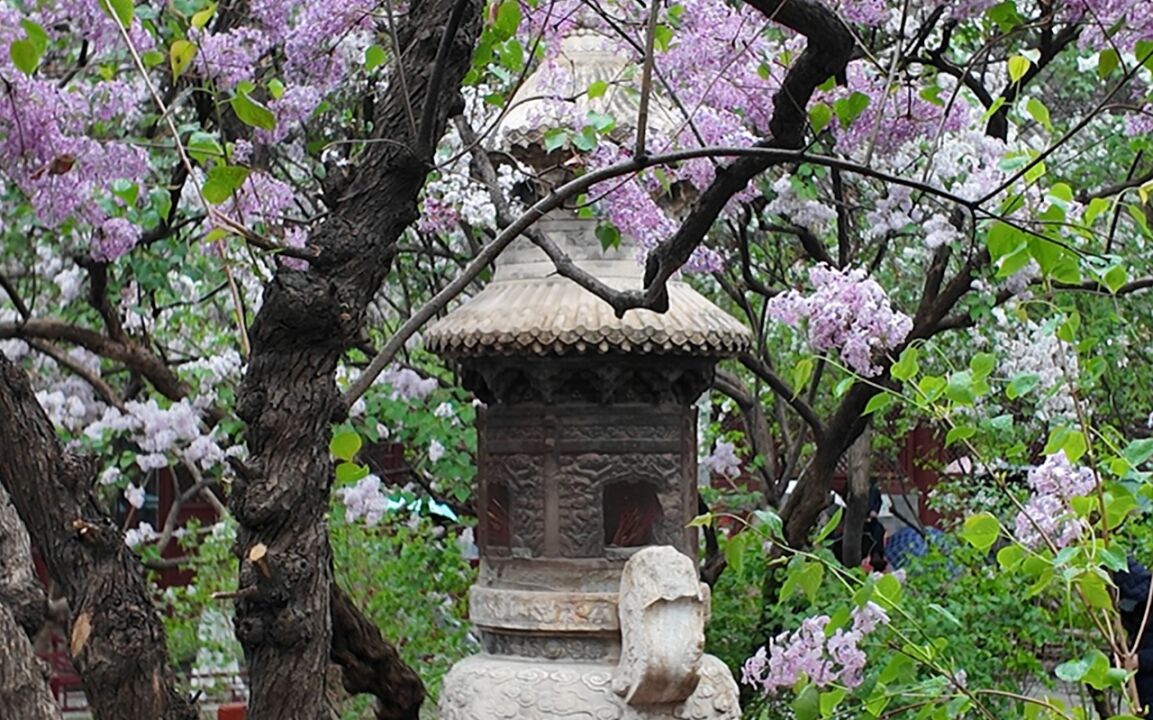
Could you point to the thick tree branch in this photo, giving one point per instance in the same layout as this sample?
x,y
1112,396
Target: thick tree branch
x,y
762,370
285,602
117,638
136,357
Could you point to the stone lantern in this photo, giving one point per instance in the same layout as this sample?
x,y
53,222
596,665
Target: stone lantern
x,y
588,602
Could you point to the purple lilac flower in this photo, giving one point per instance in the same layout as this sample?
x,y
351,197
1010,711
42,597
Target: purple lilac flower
x,y
723,460
809,653
114,238
1047,513
848,312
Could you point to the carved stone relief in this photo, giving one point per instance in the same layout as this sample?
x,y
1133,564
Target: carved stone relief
x,y
485,687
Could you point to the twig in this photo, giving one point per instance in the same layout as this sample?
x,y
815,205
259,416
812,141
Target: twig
x,y
647,77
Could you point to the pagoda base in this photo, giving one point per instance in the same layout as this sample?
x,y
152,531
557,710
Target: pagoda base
x,y
490,687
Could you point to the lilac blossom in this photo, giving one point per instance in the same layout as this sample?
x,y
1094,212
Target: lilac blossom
x,y
407,384
1048,513
365,500
143,533
848,312
435,451
723,460
810,652
114,238
231,56
134,495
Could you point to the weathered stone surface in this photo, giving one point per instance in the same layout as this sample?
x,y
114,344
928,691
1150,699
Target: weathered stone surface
x,y
543,611
484,687
663,610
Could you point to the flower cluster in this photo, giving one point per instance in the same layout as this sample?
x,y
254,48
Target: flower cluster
x,y
811,653
1047,513
366,500
723,460
848,312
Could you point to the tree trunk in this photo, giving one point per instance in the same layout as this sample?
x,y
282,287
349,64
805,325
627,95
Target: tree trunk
x,y
117,638
812,492
23,678
289,397
856,501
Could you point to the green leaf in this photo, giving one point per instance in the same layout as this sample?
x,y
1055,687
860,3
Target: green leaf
x,y
374,57
830,526
36,35
1094,209
888,591
1021,385
180,55
555,138
807,705
349,472
820,115
597,89
1072,670
932,386
907,366
1039,112
200,19
802,371
1138,451
831,699
900,667
960,388
878,402
120,10
1107,61
24,56
585,140
850,108
601,122
250,111
982,364
735,550
345,445
1018,66
609,236
997,104
809,578
1009,556
959,433
507,19
703,520
126,190
1095,590
222,182
203,147
981,530
769,521
152,58
1067,439
1115,278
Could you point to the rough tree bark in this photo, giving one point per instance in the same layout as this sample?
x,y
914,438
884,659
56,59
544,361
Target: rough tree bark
x,y
117,638
284,609
856,501
23,678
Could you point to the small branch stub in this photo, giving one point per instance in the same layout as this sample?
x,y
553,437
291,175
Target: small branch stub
x,y
257,556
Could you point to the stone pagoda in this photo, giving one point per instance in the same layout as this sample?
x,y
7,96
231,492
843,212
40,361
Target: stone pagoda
x,y
588,602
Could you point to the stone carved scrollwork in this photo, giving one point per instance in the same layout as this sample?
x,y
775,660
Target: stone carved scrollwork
x,y
521,475
573,647
585,476
653,380
489,688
